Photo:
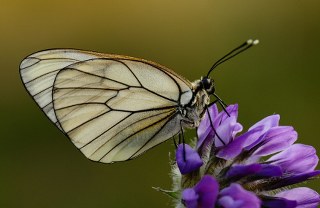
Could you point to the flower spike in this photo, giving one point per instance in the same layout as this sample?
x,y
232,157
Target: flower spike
x,y
228,170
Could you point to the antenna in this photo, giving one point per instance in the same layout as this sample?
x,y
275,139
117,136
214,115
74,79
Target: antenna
x,y
243,47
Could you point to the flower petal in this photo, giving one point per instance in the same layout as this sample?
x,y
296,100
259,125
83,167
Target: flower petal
x,y
203,195
235,147
239,171
204,128
269,171
305,197
290,180
190,198
276,140
188,159
207,189
279,202
267,123
222,116
235,196
226,131
205,131
298,158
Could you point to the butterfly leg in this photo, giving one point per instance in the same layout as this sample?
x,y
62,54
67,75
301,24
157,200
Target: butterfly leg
x,y
213,128
181,138
175,142
222,104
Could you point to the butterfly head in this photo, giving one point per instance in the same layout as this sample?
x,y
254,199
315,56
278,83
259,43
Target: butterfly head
x,y
208,85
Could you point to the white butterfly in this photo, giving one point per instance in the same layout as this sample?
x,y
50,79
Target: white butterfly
x,y
113,107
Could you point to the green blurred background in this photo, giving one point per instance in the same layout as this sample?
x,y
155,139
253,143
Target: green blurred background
x,y
41,168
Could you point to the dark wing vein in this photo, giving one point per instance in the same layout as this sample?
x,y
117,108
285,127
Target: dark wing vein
x,y
106,130
128,69
145,110
42,75
32,63
149,89
88,88
56,109
131,124
164,71
172,115
95,75
131,86
153,65
135,134
87,121
87,102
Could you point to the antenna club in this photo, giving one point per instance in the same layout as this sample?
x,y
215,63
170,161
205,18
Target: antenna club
x,y
255,42
249,42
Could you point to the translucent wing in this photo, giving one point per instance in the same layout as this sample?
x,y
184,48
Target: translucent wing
x,y
39,70
113,108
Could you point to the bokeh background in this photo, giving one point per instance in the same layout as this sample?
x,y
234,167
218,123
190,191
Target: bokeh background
x,y
41,168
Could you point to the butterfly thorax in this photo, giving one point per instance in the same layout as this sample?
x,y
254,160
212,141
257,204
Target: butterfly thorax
x,y
195,110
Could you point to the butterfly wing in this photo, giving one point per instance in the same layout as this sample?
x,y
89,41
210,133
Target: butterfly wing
x,y
39,70
113,108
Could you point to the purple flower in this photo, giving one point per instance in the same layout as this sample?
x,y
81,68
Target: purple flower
x,y
279,202
237,172
298,158
203,194
263,138
235,196
188,159
274,140
298,197
234,171
304,197
225,127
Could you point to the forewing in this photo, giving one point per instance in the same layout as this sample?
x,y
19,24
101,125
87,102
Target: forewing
x,y
114,110
39,70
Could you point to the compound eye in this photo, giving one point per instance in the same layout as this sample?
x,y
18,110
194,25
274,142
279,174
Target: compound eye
x,y
206,83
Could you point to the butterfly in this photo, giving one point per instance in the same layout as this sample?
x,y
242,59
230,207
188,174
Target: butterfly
x,y
113,107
